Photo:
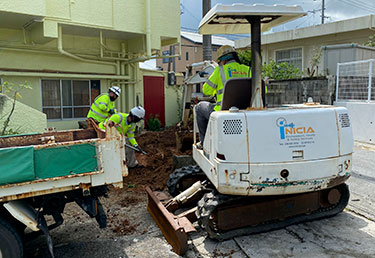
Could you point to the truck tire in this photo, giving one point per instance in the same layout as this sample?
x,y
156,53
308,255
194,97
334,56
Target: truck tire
x,y
10,241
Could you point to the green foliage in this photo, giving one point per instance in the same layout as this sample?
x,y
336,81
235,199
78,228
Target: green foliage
x,y
153,123
245,56
11,132
280,71
14,92
273,70
371,41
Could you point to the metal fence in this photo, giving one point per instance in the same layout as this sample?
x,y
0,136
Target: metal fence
x,y
355,81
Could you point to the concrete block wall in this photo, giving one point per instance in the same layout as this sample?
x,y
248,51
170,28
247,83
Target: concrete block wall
x,y
297,91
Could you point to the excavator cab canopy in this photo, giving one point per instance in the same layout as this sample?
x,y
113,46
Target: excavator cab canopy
x,y
253,19
234,19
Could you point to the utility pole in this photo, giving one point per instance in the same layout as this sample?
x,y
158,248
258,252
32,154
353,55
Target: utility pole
x,y
207,49
323,11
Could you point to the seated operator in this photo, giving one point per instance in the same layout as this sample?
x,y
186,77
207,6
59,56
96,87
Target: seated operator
x,y
229,67
125,124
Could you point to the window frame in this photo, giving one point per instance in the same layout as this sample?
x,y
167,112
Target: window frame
x,y
61,99
293,48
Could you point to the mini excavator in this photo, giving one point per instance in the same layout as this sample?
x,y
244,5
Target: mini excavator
x,y
260,168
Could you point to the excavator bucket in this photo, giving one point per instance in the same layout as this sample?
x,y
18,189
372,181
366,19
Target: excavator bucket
x,y
174,228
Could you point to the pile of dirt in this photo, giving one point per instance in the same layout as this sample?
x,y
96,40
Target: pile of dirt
x,y
158,164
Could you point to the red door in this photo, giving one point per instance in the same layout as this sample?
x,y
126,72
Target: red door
x,y
153,90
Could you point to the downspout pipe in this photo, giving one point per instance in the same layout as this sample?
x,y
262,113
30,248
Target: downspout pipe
x,y
65,53
148,28
148,40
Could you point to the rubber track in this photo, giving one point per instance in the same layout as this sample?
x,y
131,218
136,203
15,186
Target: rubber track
x,y
178,174
211,200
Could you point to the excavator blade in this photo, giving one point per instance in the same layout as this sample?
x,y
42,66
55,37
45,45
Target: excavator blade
x,y
174,228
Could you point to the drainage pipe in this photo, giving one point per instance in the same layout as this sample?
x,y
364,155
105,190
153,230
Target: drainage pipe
x,y
148,27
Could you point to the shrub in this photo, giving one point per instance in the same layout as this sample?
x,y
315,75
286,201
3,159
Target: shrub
x,y
153,123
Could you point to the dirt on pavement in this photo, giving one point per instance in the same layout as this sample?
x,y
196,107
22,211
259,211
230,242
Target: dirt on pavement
x,y
125,208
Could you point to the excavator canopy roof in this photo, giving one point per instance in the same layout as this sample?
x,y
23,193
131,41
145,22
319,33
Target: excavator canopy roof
x,y
234,19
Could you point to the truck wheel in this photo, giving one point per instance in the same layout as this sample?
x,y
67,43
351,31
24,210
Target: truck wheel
x,y
10,241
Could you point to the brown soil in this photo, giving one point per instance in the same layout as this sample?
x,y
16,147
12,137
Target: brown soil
x,y
126,208
158,164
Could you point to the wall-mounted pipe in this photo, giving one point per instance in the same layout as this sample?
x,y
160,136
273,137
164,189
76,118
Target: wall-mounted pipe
x,y
148,40
148,27
29,50
145,58
64,75
63,52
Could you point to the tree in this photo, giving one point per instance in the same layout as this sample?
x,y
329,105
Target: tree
x,y
280,71
245,56
14,92
371,41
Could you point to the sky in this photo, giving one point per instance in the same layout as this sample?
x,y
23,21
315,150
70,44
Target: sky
x,y
335,10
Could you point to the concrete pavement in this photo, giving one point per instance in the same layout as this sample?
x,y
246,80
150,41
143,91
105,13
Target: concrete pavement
x,y
349,234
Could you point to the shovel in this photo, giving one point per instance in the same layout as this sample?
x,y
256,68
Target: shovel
x,y
134,148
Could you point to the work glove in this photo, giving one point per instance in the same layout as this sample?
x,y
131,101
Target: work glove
x,y
138,148
112,111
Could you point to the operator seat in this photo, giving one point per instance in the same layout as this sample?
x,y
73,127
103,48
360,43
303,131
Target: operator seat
x,y
237,92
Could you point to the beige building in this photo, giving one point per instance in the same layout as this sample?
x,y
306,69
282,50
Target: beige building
x,y
191,51
70,51
299,46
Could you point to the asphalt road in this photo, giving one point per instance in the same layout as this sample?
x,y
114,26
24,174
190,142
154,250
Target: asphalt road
x,y
349,234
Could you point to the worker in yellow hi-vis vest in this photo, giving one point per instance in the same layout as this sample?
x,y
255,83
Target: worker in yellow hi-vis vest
x,y
125,124
229,67
104,105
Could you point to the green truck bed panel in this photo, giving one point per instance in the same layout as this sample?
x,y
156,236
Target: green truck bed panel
x,y
23,164
65,160
17,165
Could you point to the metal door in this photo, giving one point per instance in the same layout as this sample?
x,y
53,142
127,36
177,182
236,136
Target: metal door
x,y
153,88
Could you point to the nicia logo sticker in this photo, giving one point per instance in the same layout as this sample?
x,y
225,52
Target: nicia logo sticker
x,y
291,129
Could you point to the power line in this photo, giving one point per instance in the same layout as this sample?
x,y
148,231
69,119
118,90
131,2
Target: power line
x,y
357,5
190,13
364,4
190,29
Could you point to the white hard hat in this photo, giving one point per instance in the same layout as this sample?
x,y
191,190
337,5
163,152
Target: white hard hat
x,y
116,90
138,112
224,50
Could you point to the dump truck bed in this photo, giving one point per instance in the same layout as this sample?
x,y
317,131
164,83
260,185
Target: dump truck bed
x,y
51,162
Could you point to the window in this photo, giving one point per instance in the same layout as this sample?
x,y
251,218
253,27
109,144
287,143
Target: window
x,y
67,99
214,49
291,56
187,56
165,53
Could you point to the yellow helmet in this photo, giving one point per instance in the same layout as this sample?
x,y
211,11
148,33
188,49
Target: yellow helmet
x,y
223,50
